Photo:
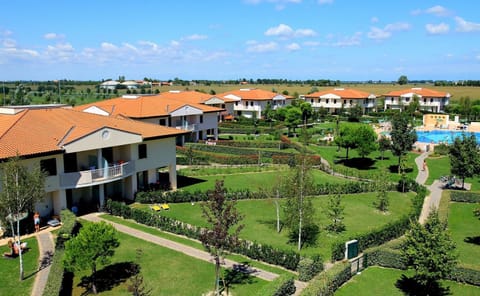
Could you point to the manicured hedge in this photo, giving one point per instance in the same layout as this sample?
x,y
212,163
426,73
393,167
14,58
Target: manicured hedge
x,y
326,283
308,268
463,196
210,157
160,196
283,285
56,275
285,258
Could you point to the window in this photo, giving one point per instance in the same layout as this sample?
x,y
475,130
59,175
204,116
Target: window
x,y
311,101
431,100
251,104
49,166
201,118
334,101
163,122
236,103
351,102
326,101
142,151
223,106
345,101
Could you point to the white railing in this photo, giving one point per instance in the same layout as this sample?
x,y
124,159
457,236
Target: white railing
x,y
97,176
187,127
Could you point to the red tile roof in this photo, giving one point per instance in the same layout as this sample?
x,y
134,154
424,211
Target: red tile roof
x,y
253,94
344,93
148,106
36,131
424,92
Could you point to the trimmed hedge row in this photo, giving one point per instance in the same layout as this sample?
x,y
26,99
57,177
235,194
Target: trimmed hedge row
x,y
388,257
56,275
159,196
209,157
285,258
254,144
385,233
463,196
326,283
308,268
235,150
283,285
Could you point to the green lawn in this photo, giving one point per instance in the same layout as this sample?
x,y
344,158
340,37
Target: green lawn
x,y
194,244
381,281
437,167
165,271
260,219
253,181
377,165
463,225
9,270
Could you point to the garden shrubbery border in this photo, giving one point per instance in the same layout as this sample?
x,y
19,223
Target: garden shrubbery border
x,y
285,258
464,196
283,285
326,283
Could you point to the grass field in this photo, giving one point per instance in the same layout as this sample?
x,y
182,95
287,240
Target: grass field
x,y
465,230
165,272
9,270
381,281
437,167
78,95
254,181
260,219
194,244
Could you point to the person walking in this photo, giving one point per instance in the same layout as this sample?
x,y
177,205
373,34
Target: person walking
x,y
36,221
424,166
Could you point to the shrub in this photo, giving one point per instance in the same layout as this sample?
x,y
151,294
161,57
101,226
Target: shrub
x,y
326,283
283,285
462,196
308,268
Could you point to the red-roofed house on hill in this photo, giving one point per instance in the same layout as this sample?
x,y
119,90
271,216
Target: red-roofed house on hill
x,y
88,157
430,100
250,102
334,100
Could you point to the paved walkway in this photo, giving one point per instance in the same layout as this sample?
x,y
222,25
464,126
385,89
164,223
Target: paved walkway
x,y
46,248
192,252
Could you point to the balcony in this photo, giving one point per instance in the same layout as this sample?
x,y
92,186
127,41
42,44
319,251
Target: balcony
x,y
97,176
187,127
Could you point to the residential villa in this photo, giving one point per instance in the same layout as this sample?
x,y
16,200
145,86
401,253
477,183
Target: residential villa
x,y
200,121
250,102
429,100
88,157
337,99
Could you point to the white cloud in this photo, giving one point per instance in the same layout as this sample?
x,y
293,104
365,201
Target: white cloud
x,y
437,10
285,31
293,47
374,19
441,28
106,46
6,33
280,30
196,37
379,34
262,47
60,51
53,36
130,47
325,2
465,26
349,40
9,42
305,33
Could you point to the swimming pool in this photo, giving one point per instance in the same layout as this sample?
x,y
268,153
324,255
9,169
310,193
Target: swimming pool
x,y
441,136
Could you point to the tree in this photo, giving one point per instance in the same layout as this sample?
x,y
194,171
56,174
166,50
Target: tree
x,y
466,107
21,188
94,245
307,111
268,113
346,138
382,201
414,105
464,157
355,113
384,144
402,80
293,117
334,212
429,251
222,217
298,209
366,140
137,285
403,135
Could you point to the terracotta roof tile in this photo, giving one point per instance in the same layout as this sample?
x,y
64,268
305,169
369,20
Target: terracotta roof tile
x,y
424,92
45,130
344,93
253,94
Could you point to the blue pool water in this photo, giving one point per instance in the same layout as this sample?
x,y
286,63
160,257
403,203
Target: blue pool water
x,y
440,136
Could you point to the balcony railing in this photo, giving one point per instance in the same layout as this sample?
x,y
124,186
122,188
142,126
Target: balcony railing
x,y
187,127
97,176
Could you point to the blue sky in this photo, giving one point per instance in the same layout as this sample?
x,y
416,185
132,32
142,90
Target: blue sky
x,y
231,39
